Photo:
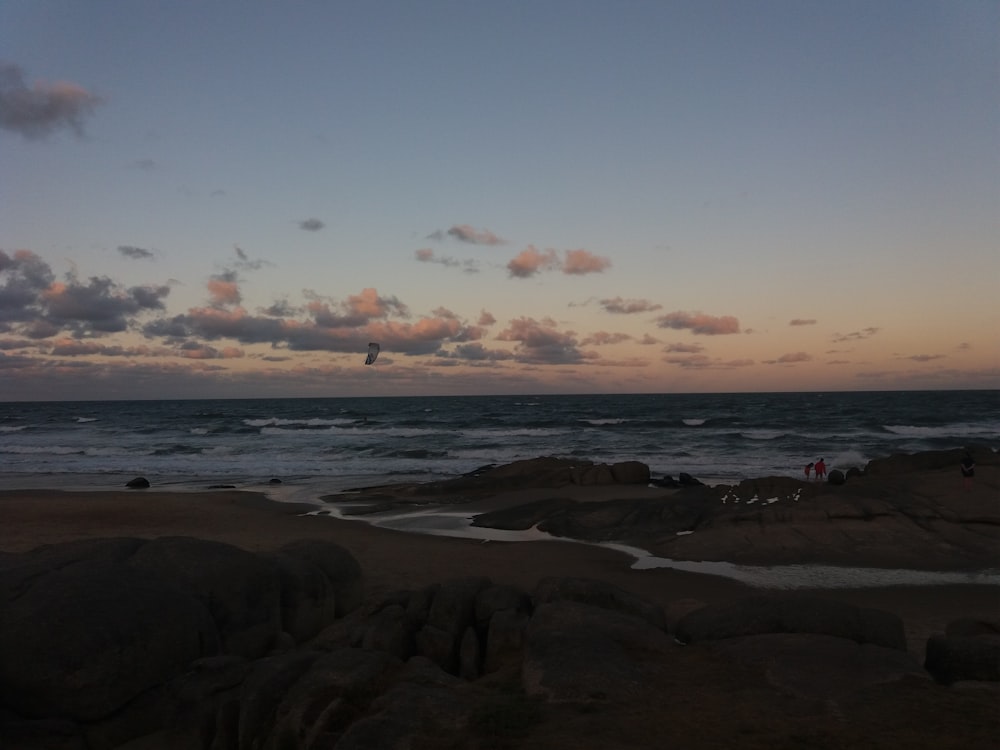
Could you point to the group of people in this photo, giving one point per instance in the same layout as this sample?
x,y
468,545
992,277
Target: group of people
x,y
818,468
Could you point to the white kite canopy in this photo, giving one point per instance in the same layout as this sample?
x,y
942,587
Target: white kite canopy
x,y
373,350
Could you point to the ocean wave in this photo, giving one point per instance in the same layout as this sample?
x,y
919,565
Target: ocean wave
x,y
954,430
311,422
16,428
763,434
58,450
694,422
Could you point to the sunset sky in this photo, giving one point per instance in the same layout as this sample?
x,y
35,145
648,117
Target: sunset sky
x,y
231,199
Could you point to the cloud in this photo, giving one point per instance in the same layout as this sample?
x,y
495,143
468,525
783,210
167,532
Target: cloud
x,y
864,333
925,357
75,348
30,294
100,305
311,225
24,276
704,362
580,262
146,165
486,319
619,306
245,264
195,350
44,108
471,235
530,261
802,322
788,359
684,348
223,289
476,352
699,323
347,326
542,343
426,255
130,251
605,338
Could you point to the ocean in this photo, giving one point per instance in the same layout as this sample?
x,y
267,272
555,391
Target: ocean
x,y
353,442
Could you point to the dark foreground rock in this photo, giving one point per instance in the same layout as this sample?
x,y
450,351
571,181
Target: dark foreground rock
x,y
181,643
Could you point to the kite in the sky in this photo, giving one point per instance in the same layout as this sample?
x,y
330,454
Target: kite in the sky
x,y
373,350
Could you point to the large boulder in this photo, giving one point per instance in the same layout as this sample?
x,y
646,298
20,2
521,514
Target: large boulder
x,y
778,613
630,472
599,594
821,667
953,657
83,641
580,653
240,589
452,611
308,598
339,565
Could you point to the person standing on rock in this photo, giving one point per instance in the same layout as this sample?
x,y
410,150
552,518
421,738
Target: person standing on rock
x,y
968,471
820,469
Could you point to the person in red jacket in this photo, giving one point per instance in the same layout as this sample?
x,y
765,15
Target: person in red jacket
x,y
820,469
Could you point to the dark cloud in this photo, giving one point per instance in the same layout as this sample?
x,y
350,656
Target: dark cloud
x,y
244,263
925,357
620,306
802,322
99,305
24,276
699,323
311,225
541,342
790,359
44,108
864,333
147,165
426,255
476,352
473,236
130,251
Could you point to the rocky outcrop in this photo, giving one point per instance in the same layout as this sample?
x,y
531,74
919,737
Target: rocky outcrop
x,y
545,471
785,613
967,650
901,513
92,632
179,643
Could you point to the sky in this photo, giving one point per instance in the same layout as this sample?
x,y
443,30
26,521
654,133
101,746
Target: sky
x,y
232,199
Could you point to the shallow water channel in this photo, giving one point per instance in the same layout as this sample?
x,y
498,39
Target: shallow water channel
x,y
459,524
